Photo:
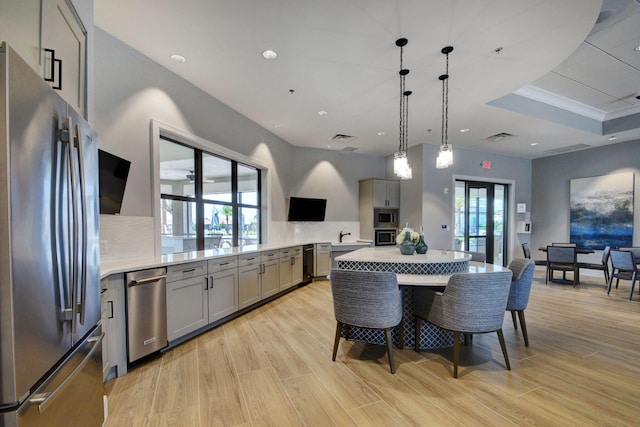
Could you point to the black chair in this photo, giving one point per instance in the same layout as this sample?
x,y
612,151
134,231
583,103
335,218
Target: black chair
x,y
527,255
624,267
369,300
562,258
602,266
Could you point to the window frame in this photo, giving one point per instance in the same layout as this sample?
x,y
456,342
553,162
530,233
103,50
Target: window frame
x,y
160,131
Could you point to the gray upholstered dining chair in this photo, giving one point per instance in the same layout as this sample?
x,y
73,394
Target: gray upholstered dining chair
x,y
623,266
366,299
602,266
562,258
470,304
519,293
477,256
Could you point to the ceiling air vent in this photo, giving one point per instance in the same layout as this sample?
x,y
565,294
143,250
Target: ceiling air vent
x,y
349,149
342,138
499,136
568,148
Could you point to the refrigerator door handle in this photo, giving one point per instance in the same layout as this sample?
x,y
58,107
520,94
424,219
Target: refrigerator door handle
x,y
83,207
43,400
74,215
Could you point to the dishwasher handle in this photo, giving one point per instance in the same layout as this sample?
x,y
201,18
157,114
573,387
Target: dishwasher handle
x,y
144,281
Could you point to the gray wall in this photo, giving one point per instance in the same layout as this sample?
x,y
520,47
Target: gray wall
x,y
551,185
428,198
131,90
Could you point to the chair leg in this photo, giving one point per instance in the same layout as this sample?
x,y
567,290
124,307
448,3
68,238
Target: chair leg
x,y
513,317
609,284
504,348
337,340
456,353
617,282
417,333
633,285
387,338
401,327
523,324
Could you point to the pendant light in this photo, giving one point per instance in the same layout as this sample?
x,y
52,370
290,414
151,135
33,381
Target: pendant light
x,y
401,165
445,155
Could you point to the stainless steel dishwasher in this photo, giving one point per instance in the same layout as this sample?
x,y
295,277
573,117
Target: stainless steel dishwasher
x,y
146,312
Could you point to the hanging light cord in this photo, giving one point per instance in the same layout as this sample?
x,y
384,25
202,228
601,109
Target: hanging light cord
x,y
445,100
402,105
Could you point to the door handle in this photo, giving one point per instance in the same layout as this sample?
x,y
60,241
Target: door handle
x,y
43,400
54,62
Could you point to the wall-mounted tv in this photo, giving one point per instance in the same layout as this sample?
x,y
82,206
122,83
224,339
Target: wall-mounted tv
x,y
306,209
113,175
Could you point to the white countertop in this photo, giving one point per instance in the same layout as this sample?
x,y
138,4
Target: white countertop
x,y
392,254
132,264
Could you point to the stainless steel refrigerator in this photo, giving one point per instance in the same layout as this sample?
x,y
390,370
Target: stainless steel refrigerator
x,y
50,333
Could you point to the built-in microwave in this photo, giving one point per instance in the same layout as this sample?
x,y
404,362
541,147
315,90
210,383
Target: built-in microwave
x,y
385,237
385,218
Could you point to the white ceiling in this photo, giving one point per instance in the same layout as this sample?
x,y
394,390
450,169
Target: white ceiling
x,y
554,67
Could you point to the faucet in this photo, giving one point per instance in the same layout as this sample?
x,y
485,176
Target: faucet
x,y
343,234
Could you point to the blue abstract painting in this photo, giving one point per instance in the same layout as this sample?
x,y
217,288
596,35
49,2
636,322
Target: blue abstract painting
x,y
601,211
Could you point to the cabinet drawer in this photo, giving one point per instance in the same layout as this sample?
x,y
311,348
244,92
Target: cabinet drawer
x,y
220,264
286,253
269,255
185,271
249,259
296,251
323,248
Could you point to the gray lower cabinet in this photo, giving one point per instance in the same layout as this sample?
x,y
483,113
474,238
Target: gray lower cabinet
x,y
290,270
114,347
187,308
222,292
322,262
269,279
249,269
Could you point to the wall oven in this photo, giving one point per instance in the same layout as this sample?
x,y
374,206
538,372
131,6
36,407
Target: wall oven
x,y
385,218
385,237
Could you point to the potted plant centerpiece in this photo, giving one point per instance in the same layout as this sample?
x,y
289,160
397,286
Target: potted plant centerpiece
x,y
407,240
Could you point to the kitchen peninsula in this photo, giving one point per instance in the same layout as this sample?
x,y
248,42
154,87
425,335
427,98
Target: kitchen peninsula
x,y
431,269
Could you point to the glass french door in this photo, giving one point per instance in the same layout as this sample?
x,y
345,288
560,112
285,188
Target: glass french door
x,y
480,219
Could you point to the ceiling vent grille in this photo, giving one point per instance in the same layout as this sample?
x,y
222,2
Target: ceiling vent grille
x,y
568,148
499,136
342,138
349,149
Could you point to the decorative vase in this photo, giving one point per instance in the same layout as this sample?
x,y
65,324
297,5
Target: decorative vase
x,y
407,247
421,246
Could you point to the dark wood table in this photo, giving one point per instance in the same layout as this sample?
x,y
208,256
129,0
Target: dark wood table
x,y
578,250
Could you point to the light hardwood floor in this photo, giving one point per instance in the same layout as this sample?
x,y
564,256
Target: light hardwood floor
x,y
273,366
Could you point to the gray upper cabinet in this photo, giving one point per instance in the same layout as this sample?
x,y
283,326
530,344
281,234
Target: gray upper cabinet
x,y
386,194
64,52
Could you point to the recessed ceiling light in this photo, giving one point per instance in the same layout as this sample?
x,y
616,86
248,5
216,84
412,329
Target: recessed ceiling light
x,y
277,126
178,58
464,130
382,133
613,138
637,48
533,144
269,54
322,113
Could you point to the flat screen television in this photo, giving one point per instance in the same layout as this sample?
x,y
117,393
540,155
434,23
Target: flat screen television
x,y
113,174
306,209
